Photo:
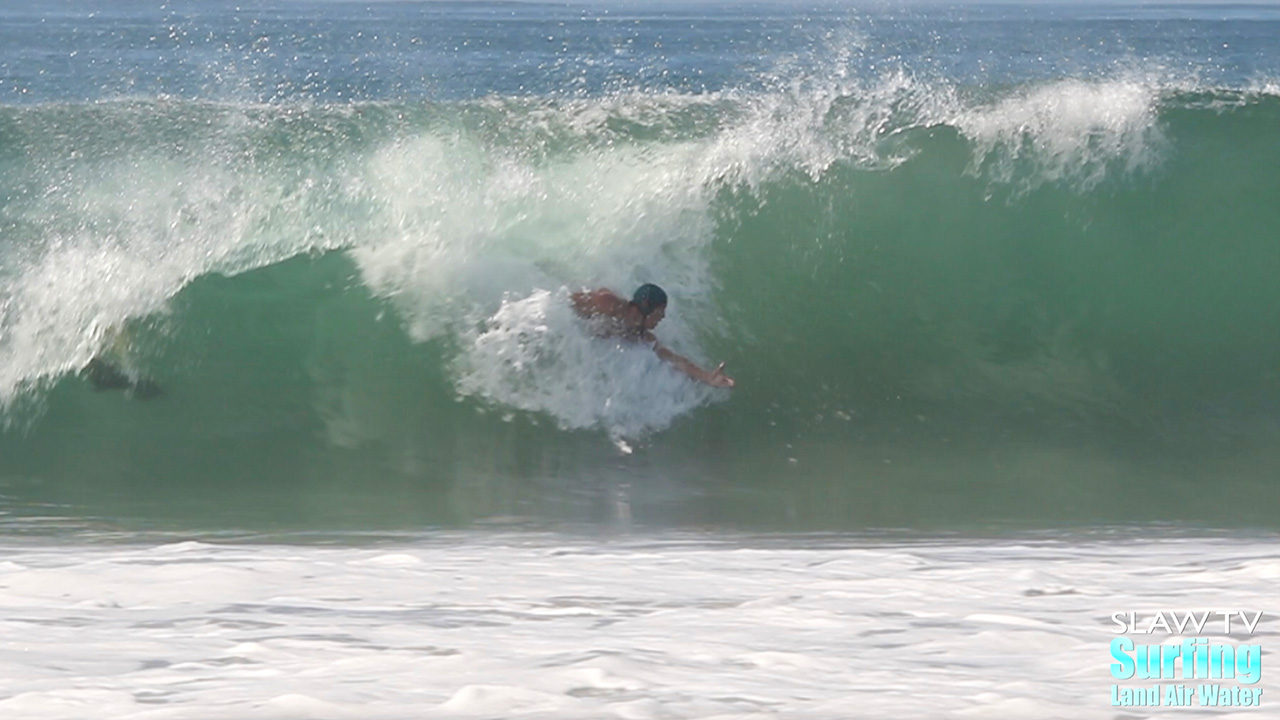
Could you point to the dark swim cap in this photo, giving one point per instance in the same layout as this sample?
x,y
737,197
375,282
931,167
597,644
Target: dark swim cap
x,y
649,297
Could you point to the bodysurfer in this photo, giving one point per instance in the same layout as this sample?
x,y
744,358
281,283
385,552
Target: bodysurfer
x,y
634,320
108,370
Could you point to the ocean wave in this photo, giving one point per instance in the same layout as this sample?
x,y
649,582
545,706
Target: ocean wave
x,y
839,240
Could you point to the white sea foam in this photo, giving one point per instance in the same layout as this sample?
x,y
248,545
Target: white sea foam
x,y
534,354
543,626
1266,86
1073,132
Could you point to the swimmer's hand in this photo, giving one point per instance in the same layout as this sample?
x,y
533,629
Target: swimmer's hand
x,y
717,378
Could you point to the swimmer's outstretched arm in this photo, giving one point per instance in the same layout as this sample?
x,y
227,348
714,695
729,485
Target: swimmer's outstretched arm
x,y
716,378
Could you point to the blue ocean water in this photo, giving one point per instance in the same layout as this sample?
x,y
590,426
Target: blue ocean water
x,y
350,51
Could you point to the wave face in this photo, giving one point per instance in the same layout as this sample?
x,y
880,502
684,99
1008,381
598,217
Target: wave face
x,y
1041,303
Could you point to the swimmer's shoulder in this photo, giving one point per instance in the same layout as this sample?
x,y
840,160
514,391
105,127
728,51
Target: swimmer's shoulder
x,y
603,301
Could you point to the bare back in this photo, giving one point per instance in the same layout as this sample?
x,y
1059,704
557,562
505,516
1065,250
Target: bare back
x,y
595,303
608,314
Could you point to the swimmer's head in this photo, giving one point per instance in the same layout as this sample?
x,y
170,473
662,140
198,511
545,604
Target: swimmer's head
x,y
651,301
649,297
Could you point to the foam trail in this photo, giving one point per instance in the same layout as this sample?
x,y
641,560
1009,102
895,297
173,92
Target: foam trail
x,y
535,355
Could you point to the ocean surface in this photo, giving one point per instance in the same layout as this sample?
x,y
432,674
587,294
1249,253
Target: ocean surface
x,y
296,422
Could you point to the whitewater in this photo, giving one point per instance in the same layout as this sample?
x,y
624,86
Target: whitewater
x,y
555,626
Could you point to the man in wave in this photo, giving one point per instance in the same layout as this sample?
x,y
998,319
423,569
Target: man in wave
x,y
111,369
611,316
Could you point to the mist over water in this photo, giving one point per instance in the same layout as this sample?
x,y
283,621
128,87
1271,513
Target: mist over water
x,y
957,291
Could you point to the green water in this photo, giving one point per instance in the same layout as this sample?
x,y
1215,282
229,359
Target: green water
x,y
965,329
